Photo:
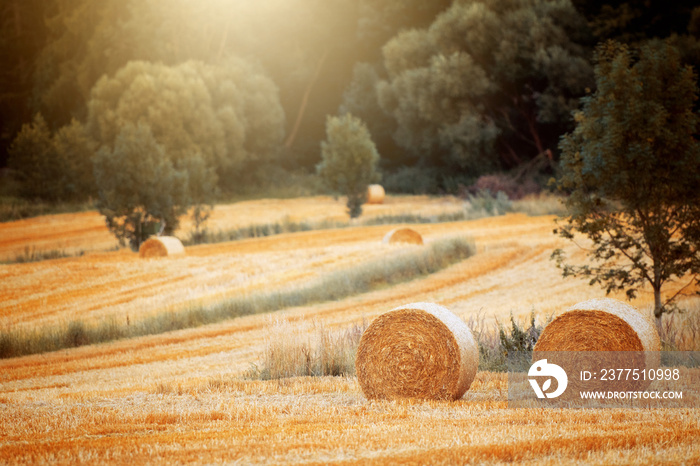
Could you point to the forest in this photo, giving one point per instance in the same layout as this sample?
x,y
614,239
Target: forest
x,y
226,94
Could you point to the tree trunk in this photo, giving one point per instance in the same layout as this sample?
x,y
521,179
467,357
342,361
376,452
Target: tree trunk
x,y
658,308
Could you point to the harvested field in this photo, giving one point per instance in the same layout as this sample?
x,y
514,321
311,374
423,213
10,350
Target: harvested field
x,y
86,231
179,397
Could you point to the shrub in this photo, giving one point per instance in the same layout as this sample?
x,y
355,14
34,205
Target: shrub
x,y
349,160
496,183
413,180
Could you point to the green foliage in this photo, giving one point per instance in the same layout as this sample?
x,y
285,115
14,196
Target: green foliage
x,y
140,190
635,21
349,160
632,166
75,149
53,167
360,99
490,84
33,158
228,115
413,180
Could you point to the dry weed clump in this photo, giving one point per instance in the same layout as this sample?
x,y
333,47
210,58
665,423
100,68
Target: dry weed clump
x,y
307,349
419,350
680,331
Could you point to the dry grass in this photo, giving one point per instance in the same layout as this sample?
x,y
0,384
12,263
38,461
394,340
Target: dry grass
x,y
306,349
179,397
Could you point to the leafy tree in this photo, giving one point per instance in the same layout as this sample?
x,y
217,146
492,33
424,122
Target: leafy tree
x,y
380,20
53,167
230,115
75,150
22,36
71,60
349,160
140,190
635,21
632,166
33,158
201,193
360,99
489,85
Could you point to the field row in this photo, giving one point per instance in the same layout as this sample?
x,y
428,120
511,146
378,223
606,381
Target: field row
x,y
86,231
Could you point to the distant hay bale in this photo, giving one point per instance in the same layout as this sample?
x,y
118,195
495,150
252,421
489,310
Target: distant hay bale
x,y
403,235
161,246
375,194
600,325
420,350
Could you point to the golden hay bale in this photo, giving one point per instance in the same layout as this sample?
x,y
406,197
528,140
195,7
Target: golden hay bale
x,y
626,337
375,194
600,325
403,235
420,350
161,246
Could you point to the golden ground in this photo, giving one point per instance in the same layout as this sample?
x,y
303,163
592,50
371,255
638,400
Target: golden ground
x,y
178,397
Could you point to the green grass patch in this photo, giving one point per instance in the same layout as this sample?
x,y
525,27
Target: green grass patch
x,y
400,267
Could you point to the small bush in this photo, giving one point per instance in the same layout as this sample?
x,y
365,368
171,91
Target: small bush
x,y
413,180
484,204
496,342
506,184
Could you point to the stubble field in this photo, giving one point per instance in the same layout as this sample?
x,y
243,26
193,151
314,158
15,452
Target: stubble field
x,y
180,397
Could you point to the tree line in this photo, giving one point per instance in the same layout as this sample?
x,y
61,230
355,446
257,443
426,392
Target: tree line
x,y
449,90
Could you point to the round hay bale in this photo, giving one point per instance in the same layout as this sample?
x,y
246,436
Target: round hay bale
x,y
161,246
626,337
420,350
403,235
600,325
375,194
